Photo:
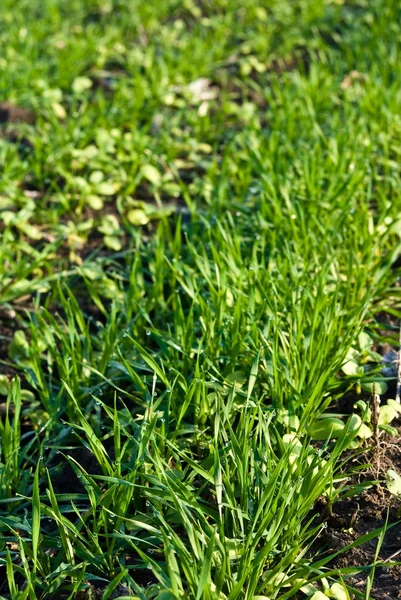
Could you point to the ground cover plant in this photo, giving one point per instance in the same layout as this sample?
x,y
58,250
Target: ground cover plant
x,y
199,295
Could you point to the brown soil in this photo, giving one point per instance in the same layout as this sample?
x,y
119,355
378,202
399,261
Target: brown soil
x,y
11,116
6,335
107,79
10,113
362,514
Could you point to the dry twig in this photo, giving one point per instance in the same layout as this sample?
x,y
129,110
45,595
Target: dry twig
x,y
375,423
398,392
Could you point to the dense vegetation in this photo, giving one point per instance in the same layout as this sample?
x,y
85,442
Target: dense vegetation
x,y
200,220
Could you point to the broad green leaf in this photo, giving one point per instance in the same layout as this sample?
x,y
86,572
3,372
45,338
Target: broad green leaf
x,y
374,356
394,405
81,84
137,216
113,242
354,423
109,225
364,432
107,188
5,385
351,367
59,110
95,202
365,341
396,227
362,405
338,592
289,420
318,596
381,387
351,364
393,481
290,440
325,429
386,414
96,177
151,174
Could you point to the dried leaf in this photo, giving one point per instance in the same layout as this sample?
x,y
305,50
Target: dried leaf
x,y
349,79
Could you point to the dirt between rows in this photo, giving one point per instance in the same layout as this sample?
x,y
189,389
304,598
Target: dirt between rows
x,y
354,517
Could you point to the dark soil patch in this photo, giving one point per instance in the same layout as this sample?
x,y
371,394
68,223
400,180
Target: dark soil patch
x,y
66,480
96,593
107,80
22,143
10,113
362,514
11,116
387,327
299,60
6,335
368,512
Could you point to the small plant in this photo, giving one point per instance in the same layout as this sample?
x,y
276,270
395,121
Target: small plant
x,y
361,364
386,414
393,482
337,591
369,422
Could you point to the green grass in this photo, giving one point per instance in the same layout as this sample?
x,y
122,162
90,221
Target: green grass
x,y
196,229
